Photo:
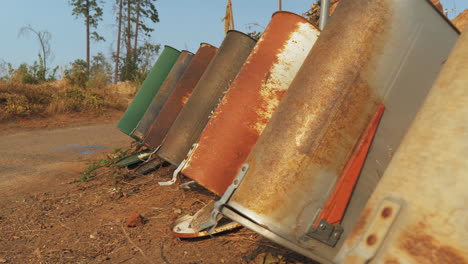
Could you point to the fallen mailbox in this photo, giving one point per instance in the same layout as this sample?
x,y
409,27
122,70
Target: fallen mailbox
x,y
250,101
179,96
164,92
287,186
419,211
217,78
148,90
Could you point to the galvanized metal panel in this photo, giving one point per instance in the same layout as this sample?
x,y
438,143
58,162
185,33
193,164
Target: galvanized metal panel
x,y
205,97
419,211
358,62
250,101
164,91
179,96
148,90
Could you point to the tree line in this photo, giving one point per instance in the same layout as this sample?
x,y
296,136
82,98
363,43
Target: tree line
x,y
134,22
131,59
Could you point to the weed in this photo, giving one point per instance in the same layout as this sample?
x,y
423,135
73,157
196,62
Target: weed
x,y
112,158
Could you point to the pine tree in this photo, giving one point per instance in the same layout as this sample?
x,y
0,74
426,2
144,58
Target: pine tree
x,y
139,15
92,13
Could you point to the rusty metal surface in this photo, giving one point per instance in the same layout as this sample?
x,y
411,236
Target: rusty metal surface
x,y
426,181
179,96
250,101
357,63
164,91
217,78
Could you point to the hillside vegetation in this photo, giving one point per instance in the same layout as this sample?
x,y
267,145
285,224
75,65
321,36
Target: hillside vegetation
x,y
20,100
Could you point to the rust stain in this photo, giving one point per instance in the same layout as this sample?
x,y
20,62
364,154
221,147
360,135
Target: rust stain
x,y
209,90
340,131
328,87
250,101
163,93
312,134
371,240
392,261
185,99
361,223
425,249
387,212
179,96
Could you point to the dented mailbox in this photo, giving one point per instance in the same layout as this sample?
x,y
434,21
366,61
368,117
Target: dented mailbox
x,y
287,188
250,101
148,90
419,211
210,89
164,92
179,96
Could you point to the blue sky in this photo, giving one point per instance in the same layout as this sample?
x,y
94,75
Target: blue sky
x,y
184,24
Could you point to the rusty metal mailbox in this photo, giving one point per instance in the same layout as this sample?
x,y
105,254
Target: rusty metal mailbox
x,y
179,96
250,101
210,89
164,92
419,211
148,90
295,186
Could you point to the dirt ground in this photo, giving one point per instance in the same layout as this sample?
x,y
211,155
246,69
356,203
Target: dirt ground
x,y
61,121
85,222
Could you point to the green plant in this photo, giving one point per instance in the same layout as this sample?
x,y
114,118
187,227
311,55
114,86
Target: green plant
x,y
116,155
86,175
76,74
13,105
30,74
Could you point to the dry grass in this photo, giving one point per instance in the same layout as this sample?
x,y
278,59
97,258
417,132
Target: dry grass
x,y
18,100
126,88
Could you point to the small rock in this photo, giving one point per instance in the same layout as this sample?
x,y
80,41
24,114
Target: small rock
x,y
2,260
135,219
102,258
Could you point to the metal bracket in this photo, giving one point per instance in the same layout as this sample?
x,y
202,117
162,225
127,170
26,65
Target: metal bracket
x,y
325,233
181,166
216,213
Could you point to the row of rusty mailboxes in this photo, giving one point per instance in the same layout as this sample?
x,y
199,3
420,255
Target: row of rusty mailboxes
x,y
347,145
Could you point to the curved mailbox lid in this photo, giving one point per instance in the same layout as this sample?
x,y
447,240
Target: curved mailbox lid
x,y
179,96
295,164
161,97
209,91
148,90
250,101
419,211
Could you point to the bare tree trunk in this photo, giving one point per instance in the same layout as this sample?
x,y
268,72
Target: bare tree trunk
x,y
43,47
117,56
128,42
87,37
129,30
44,38
137,25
